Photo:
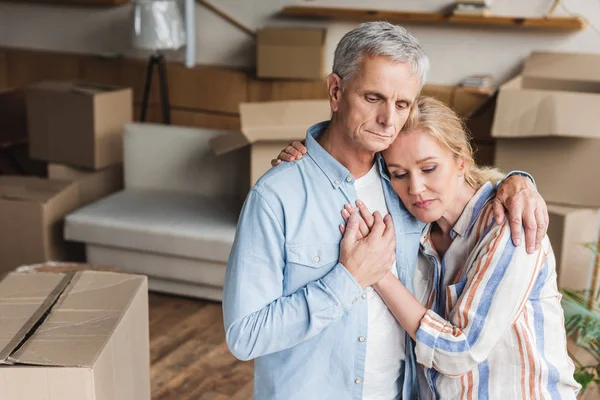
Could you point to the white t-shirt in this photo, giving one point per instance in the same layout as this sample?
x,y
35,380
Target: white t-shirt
x,y
385,338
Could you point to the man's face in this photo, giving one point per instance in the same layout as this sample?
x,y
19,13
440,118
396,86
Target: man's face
x,y
375,103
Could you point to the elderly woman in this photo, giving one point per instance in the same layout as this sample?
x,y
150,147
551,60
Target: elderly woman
x,y
485,314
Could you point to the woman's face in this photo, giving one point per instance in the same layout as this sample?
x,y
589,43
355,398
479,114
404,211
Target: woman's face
x,y
425,174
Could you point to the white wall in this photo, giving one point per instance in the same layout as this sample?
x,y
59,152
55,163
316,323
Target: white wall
x,y
454,51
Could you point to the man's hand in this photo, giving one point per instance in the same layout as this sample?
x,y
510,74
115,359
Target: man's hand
x,y
525,208
368,258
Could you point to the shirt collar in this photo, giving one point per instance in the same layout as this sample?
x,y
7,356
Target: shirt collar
x,y
472,210
467,217
332,168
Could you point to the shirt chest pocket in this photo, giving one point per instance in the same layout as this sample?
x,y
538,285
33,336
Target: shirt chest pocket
x,y
308,262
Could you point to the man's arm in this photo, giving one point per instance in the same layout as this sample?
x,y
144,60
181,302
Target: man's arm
x,y
258,319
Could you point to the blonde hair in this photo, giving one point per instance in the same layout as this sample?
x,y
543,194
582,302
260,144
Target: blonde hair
x,y
433,117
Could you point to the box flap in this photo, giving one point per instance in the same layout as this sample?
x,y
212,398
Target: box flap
x,y
281,120
225,143
76,87
24,300
562,71
522,112
28,188
291,37
82,321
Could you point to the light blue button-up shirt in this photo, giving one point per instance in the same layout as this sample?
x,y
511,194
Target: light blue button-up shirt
x,y
288,303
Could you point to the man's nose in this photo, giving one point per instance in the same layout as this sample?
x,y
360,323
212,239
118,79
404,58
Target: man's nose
x,y
385,118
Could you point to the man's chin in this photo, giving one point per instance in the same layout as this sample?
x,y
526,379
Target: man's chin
x,y
377,146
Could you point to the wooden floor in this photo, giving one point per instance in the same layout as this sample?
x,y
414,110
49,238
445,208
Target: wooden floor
x,y
188,353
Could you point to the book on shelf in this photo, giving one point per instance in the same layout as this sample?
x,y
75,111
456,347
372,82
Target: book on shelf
x,y
471,9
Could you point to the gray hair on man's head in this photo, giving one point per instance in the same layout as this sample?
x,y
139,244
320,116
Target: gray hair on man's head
x,y
378,39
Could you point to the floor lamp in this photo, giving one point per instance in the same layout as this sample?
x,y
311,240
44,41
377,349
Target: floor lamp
x,y
157,26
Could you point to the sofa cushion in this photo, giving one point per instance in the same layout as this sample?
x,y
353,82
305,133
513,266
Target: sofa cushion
x,y
171,223
182,269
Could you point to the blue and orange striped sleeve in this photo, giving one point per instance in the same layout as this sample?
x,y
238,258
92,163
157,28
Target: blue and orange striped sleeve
x,y
498,281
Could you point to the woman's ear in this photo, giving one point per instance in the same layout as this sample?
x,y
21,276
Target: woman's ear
x,y
334,89
461,166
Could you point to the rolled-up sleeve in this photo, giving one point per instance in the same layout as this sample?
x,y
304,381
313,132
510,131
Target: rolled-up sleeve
x,y
499,280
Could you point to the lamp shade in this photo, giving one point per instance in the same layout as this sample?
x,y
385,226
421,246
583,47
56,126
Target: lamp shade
x,y
157,25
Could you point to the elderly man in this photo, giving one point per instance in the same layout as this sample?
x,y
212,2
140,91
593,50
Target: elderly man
x,y
298,298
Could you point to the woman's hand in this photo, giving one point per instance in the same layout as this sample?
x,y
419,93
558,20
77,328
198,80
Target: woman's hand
x,y
293,152
365,220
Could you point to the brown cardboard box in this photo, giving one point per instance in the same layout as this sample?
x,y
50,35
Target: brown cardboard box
x,y
557,95
570,229
92,185
461,99
479,121
15,160
290,53
32,212
576,72
269,127
13,115
81,336
561,125
78,124
565,170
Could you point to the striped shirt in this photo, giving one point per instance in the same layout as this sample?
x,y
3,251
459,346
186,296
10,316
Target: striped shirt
x,y
494,326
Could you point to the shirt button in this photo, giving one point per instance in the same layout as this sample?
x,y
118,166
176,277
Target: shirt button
x,y
361,339
358,381
316,259
348,179
337,181
364,296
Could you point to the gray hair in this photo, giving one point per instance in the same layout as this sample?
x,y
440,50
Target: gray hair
x,y
379,39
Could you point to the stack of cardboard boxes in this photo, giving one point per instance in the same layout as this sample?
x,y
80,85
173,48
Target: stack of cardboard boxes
x,y
78,129
546,123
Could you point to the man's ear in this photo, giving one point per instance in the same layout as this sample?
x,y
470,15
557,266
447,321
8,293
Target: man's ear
x,y
334,89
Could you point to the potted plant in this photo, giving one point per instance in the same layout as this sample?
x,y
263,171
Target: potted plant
x,y
582,323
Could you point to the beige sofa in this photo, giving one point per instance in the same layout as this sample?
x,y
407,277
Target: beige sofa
x,y
175,220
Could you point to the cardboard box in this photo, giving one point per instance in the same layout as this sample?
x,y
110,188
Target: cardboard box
x,y
13,116
15,160
544,105
565,170
78,124
32,212
290,53
269,127
462,100
557,95
92,185
479,121
570,229
573,72
81,336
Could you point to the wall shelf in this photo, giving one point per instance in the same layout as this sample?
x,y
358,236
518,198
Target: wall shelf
x,y
566,23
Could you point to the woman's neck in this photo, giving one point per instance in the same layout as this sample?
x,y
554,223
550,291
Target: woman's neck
x,y
440,231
